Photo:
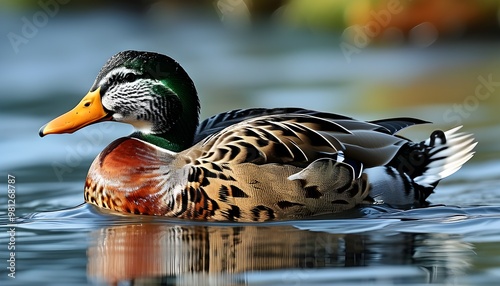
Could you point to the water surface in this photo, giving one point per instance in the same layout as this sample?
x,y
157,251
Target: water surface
x,y
60,241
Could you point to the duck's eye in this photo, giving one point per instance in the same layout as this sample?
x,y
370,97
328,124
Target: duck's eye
x,y
130,77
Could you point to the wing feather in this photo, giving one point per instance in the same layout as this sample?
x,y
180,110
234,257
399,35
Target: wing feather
x,y
220,121
297,137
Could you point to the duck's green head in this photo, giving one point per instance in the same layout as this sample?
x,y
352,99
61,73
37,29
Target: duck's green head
x,y
148,90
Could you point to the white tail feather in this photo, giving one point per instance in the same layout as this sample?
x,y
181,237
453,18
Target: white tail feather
x,y
448,157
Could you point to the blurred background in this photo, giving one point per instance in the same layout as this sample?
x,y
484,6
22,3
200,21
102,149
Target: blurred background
x,y
364,58
369,59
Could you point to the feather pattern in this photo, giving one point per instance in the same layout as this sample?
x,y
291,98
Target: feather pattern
x,y
249,164
257,165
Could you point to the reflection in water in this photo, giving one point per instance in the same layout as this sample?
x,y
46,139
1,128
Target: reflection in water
x,y
443,255
187,255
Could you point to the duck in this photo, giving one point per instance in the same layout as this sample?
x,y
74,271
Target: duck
x,y
246,165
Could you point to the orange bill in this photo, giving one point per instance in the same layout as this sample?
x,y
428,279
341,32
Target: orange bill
x,y
88,111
